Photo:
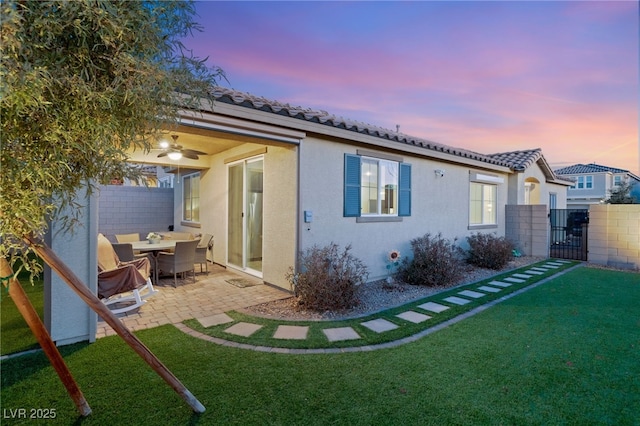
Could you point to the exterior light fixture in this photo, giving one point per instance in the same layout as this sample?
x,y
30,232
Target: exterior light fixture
x,y
439,172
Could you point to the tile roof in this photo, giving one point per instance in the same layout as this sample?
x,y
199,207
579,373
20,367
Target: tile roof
x,y
588,168
247,100
519,160
522,160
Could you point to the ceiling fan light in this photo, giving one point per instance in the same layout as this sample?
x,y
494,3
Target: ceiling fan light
x,y
164,144
175,156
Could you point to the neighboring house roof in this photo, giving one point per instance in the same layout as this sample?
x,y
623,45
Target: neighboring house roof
x,y
519,161
234,97
578,169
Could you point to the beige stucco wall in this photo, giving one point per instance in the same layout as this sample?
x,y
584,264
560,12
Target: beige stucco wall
x,y
279,226
544,188
439,204
614,235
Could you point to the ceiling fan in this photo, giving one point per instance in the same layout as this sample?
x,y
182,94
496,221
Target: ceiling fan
x,y
176,152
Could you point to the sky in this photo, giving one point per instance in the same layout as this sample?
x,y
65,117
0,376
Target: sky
x,y
484,76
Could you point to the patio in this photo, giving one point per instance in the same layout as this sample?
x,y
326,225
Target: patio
x,y
211,294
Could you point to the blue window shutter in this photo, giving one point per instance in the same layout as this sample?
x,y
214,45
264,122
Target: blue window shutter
x,y
351,185
404,195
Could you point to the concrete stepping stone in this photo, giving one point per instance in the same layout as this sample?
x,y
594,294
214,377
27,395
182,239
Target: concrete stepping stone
x,y
433,307
513,280
554,264
414,317
561,261
340,333
548,265
538,268
245,329
379,325
457,300
500,284
489,289
212,320
531,271
472,294
523,276
293,332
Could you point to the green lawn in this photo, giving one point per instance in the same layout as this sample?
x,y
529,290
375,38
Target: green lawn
x,y
565,352
15,335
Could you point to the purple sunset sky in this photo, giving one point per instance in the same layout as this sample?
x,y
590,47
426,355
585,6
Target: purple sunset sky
x,y
484,76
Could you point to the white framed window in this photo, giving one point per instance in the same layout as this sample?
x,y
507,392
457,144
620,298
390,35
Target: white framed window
x,y
617,180
583,182
376,188
379,187
191,198
483,204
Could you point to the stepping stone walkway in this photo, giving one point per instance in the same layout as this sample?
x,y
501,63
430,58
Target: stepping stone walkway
x,y
414,317
457,300
340,333
382,325
433,307
473,294
379,325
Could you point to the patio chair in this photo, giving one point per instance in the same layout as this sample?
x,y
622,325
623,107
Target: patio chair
x,y
122,282
126,253
205,244
180,261
128,238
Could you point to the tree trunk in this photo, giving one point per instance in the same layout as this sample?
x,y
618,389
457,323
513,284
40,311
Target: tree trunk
x,y
38,329
97,306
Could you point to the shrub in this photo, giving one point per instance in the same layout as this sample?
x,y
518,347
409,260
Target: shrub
x,y
436,261
328,279
489,251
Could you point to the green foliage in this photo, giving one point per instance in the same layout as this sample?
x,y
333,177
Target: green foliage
x,y
85,82
436,261
622,194
489,251
328,278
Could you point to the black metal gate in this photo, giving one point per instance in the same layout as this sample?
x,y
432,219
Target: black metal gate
x,y
569,233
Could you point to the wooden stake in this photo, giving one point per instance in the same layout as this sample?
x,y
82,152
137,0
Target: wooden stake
x,y
38,329
97,306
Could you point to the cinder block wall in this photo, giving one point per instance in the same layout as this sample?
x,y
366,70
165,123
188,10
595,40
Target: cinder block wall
x,y
126,209
614,235
527,226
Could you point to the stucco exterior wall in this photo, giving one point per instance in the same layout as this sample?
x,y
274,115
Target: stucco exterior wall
x,y
279,209
544,188
67,317
439,204
614,235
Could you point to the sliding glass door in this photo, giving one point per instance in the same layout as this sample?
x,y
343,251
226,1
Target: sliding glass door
x,y
245,215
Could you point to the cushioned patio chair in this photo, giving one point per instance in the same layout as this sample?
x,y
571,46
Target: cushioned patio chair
x,y
180,261
128,238
121,282
205,244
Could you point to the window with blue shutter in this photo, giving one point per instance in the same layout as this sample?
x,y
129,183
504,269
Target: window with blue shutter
x,y
404,197
376,187
351,185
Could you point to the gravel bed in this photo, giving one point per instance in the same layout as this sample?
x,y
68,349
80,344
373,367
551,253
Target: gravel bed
x,y
376,296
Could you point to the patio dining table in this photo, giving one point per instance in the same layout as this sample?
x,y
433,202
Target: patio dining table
x,y
154,249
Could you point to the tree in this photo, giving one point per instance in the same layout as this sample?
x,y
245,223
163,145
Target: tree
x,y
622,194
84,82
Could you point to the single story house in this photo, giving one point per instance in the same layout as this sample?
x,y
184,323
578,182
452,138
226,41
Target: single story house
x,y
276,180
